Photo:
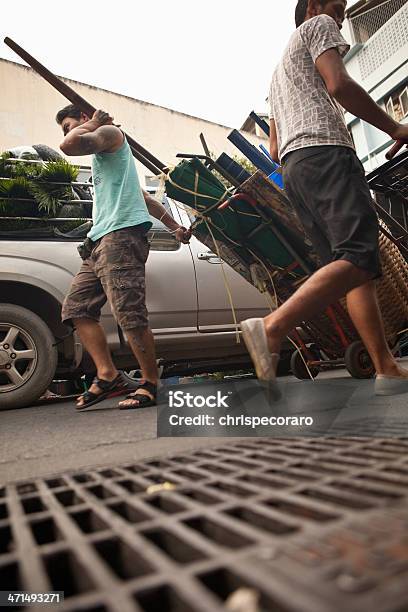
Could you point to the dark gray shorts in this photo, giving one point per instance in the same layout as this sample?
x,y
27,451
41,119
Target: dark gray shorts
x,y
114,272
326,185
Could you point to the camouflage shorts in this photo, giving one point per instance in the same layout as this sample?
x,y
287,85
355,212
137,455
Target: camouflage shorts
x,y
114,272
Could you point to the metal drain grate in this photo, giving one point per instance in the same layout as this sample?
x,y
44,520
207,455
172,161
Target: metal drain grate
x,y
310,525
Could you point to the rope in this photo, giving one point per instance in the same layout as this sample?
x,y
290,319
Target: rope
x,y
227,286
195,193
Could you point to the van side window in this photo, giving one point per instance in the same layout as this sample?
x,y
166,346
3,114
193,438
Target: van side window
x,y
159,236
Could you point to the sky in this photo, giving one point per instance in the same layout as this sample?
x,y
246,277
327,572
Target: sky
x,y
211,59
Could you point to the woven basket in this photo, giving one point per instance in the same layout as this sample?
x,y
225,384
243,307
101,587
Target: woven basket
x,y
392,288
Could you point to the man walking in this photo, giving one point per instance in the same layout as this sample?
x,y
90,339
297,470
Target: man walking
x,y
114,256
325,183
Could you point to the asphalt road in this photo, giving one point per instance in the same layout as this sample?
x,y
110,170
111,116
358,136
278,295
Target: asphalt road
x,y
53,437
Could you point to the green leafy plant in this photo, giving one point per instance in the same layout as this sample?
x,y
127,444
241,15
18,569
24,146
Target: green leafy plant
x,y
29,190
48,195
27,170
12,190
9,169
6,168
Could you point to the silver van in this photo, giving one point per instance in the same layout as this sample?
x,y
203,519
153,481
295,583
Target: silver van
x,y
190,312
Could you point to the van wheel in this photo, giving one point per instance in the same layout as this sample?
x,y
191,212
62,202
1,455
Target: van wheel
x,y
28,357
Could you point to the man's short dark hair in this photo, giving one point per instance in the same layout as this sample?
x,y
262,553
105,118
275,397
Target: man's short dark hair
x,y
301,10
68,111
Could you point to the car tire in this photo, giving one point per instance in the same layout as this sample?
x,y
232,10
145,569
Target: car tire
x,y
33,366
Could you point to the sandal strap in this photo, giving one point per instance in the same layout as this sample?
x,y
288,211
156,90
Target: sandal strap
x,y
139,400
149,386
107,385
88,396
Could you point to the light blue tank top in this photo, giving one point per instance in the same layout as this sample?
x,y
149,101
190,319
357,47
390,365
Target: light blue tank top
x,y
118,198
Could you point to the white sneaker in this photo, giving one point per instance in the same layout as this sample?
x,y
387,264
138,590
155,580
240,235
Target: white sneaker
x,y
390,385
266,363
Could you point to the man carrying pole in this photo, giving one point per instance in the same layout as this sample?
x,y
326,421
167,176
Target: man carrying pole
x,y
114,256
326,185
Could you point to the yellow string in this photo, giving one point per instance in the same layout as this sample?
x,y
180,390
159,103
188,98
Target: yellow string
x,y
196,178
195,193
227,286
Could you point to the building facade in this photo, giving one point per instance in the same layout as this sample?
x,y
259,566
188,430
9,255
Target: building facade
x,y
28,106
378,59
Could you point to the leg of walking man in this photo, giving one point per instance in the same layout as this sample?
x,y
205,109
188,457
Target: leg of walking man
x,y
364,311
142,344
82,307
120,264
326,286
93,339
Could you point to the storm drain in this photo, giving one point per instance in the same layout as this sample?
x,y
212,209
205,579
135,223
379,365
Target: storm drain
x,y
263,525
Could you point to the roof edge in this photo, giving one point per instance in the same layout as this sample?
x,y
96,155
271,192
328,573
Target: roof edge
x,y
116,93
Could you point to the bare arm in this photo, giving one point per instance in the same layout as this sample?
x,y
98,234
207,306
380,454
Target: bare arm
x,y
157,210
95,136
353,97
273,141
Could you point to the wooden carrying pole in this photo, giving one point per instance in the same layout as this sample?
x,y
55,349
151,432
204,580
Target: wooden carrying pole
x,y
139,152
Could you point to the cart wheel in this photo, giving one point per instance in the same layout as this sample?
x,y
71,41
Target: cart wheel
x,y
299,369
358,361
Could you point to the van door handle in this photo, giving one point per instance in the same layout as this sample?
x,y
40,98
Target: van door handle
x,y
208,256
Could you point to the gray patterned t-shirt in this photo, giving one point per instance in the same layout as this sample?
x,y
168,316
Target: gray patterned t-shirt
x,y
306,115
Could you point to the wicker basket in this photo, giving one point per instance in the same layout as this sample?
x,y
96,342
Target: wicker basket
x,y
392,288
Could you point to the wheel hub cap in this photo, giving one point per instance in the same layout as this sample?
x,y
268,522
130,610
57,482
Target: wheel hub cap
x,y
4,357
18,357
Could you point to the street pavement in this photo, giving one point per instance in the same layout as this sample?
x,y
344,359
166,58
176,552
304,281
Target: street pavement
x,y
53,437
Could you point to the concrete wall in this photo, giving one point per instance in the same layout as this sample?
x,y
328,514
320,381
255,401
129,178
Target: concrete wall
x,y
28,106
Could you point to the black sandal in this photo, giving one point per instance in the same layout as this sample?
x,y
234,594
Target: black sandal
x,y
109,388
143,401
